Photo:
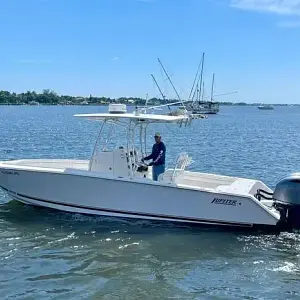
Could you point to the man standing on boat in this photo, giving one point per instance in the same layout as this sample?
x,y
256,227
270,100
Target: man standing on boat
x,y
158,157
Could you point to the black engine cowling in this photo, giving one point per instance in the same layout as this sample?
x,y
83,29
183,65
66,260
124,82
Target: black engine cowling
x,y
287,200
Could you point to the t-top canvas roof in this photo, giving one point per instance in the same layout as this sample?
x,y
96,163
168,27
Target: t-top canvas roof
x,y
134,117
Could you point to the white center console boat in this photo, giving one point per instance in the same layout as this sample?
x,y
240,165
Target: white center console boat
x,y
114,182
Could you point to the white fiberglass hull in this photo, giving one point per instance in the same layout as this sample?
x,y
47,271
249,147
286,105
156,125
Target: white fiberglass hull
x,y
82,191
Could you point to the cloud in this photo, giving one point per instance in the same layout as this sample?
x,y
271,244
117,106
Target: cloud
x,y
281,7
32,61
115,58
289,24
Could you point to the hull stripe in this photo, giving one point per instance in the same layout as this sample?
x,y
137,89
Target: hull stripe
x,y
130,213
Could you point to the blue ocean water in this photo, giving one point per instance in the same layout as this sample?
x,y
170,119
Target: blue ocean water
x,y
46,254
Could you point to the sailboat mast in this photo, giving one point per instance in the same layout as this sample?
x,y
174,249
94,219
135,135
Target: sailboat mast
x,y
164,98
212,88
201,74
199,82
197,92
203,92
195,79
168,77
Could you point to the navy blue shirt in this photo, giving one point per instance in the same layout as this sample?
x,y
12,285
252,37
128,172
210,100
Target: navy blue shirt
x,y
158,154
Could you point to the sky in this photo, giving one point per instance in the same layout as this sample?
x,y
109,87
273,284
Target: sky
x,y
110,47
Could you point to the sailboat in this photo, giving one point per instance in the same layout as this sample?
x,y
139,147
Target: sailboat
x,y
210,107
200,106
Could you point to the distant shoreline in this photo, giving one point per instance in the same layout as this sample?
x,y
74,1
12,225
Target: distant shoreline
x,y
49,97
132,105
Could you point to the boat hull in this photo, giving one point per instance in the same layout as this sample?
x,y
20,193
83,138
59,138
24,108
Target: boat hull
x,y
86,192
265,107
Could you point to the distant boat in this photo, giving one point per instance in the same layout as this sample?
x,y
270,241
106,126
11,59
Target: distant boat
x,y
84,103
266,107
203,107
33,103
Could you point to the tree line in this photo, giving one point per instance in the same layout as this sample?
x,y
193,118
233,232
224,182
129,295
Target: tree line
x,y
49,97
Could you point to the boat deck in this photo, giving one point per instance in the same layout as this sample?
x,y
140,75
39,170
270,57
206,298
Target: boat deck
x,y
216,183
197,180
219,183
205,180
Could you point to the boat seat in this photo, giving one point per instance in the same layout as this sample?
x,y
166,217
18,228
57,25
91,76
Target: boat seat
x,y
239,186
181,162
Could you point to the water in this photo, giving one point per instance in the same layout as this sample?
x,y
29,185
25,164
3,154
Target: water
x,y
46,254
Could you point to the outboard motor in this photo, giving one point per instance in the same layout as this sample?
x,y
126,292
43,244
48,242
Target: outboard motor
x,y
286,198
